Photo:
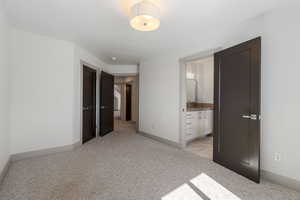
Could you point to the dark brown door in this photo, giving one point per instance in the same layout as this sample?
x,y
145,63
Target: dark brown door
x,y
128,102
106,103
89,104
237,113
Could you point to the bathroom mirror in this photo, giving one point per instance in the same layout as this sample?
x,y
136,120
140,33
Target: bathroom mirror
x,y
191,90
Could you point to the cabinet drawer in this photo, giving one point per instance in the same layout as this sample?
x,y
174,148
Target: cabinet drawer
x,y
189,117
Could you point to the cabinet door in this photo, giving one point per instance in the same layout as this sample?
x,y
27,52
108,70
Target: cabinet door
x,y
210,123
206,122
202,124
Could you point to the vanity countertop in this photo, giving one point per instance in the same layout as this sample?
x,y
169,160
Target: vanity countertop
x,y
193,107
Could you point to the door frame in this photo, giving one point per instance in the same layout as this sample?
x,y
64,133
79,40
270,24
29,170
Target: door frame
x,y
137,75
182,88
98,70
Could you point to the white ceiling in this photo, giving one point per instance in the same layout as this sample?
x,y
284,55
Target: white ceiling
x,y
102,26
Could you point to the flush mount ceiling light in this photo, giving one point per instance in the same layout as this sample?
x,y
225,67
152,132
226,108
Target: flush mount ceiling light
x,y
145,16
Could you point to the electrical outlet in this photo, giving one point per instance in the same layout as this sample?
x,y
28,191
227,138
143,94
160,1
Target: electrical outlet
x,y
277,157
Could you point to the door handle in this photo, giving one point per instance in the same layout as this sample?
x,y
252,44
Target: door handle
x,y
252,116
106,107
85,108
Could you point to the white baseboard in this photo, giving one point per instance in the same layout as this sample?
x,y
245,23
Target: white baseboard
x,y
31,154
43,152
281,180
159,139
5,170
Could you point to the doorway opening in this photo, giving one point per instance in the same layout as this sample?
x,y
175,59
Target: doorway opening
x,y
200,105
126,105
235,90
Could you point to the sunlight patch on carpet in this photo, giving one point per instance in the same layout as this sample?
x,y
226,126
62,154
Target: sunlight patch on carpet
x,y
212,189
184,192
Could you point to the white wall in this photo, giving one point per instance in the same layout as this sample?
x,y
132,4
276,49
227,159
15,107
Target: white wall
x,y
4,100
280,92
41,92
159,97
280,30
45,91
122,69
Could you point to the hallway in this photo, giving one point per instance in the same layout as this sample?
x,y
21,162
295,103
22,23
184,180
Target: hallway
x,y
122,127
124,165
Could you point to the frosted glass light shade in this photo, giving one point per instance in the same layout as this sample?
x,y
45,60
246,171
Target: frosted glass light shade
x,y
145,16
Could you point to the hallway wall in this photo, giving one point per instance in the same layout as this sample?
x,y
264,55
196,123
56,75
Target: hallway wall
x,y
4,90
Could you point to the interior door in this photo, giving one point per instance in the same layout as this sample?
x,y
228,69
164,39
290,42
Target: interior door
x,y
106,103
128,101
237,108
89,104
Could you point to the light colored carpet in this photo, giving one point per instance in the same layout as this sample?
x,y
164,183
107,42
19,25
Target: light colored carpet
x,y
123,166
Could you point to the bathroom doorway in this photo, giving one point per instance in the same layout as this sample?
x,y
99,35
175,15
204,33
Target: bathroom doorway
x,y
199,103
236,106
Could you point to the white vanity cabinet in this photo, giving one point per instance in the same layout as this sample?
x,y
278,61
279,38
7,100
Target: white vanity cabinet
x,y
198,124
208,122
